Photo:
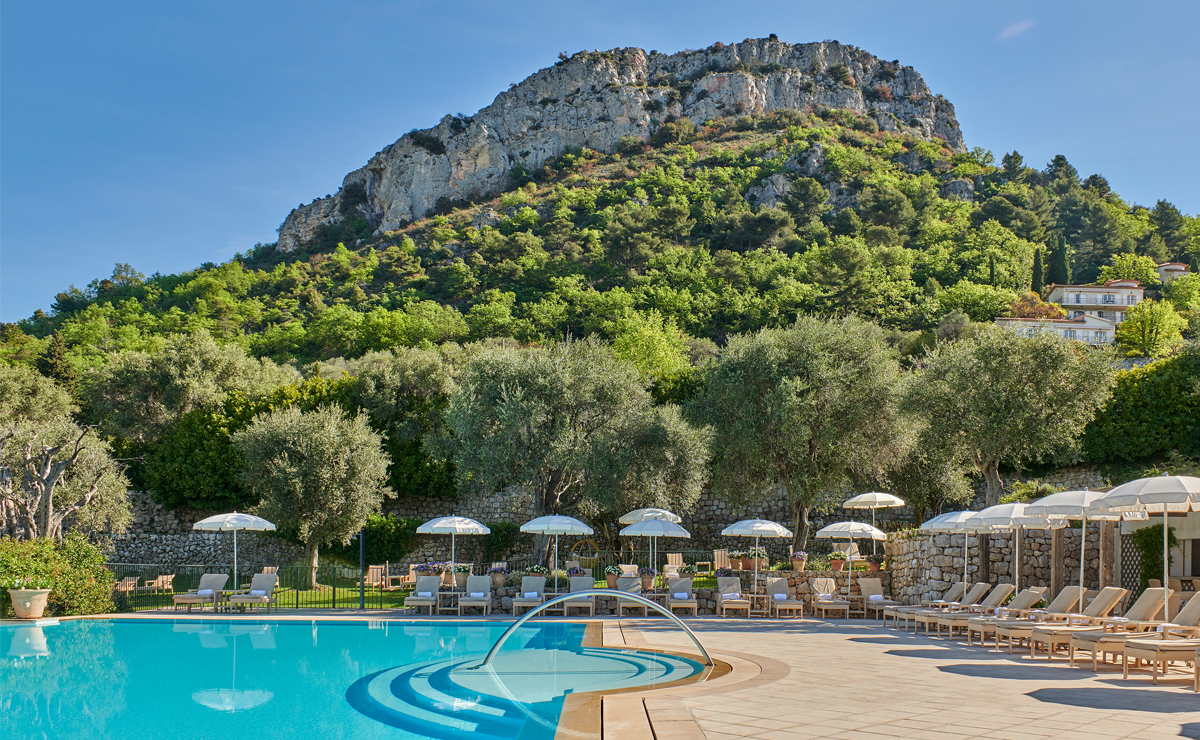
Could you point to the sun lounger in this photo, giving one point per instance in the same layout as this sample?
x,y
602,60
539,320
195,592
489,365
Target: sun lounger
x,y
873,598
1021,602
207,591
897,613
1102,643
581,583
261,592
780,599
929,616
533,592
126,585
957,619
1060,634
951,596
478,595
1022,627
425,594
1157,652
629,585
824,598
161,584
681,596
730,596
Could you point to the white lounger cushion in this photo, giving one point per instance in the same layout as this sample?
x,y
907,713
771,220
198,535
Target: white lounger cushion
x,y
424,594
205,592
824,597
477,594
531,594
876,597
680,597
732,596
257,592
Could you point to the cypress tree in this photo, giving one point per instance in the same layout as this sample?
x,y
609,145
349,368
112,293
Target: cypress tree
x,y
1059,272
54,364
992,270
1038,283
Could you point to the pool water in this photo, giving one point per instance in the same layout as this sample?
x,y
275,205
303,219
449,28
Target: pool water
x,y
165,678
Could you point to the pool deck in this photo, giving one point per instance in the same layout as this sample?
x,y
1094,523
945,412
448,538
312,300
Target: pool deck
x,y
797,679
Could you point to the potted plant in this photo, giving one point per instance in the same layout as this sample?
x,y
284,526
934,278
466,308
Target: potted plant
x,y
687,570
461,571
799,558
737,559
758,559
725,573
28,594
611,574
498,574
647,573
539,570
573,572
875,561
836,562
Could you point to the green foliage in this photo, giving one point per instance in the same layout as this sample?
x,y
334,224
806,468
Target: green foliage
x,y
1130,267
388,539
1151,329
1153,410
79,582
504,536
1148,541
427,141
56,365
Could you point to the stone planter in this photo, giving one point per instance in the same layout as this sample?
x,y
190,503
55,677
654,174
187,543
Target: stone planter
x,y
460,579
798,565
498,580
29,603
837,564
763,564
612,580
647,583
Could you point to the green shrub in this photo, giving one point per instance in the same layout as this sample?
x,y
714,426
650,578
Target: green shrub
x,y
428,142
80,584
1149,542
503,538
840,73
388,539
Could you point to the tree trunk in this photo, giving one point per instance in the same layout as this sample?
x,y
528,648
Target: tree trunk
x,y
310,557
799,526
991,474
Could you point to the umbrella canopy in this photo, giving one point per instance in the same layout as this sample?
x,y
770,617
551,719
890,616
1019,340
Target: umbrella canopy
x,y
873,500
851,531
232,522
555,524
1074,505
655,528
956,521
756,528
1165,493
638,515
1014,518
453,526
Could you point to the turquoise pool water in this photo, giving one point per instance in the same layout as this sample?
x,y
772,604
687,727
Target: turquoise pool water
x,y
131,678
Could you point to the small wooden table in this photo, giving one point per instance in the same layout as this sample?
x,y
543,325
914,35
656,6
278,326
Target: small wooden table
x,y
447,601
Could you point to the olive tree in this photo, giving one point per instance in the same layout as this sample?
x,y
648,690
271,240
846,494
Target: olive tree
x,y
319,474
53,472
572,427
1007,398
803,412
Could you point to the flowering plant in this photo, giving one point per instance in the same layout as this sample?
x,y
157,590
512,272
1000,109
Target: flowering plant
x,y
876,558
20,583
800,555
462,568
612,570
540,570
575,571
737,554
646,570
428,568
725,572
498,569
687,569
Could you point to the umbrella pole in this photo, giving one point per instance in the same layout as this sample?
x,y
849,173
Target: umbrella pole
x,y
1017,558
1165,581
453,575
235,559
872,539
1082,546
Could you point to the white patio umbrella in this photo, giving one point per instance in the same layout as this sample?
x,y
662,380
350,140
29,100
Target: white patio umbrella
x,y
638,515
1013,518
232,522
453,526
756,528
873,500
231,699
956,521
851,531
555,524
654,528
1169,494
1076,506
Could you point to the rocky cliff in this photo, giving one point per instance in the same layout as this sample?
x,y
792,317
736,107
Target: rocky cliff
x,y
593,99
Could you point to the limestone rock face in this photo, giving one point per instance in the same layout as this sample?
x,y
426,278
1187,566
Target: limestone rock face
x,y
771,192
592,99
961,189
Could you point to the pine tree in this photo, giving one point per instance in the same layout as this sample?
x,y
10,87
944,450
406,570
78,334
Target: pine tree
x,y
54,364
1059,272
1038,283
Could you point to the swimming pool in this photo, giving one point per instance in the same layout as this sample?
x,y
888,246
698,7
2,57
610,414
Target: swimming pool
x,y
167,678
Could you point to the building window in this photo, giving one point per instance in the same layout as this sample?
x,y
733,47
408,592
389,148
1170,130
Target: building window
x,y
1131,300
1110,299
1069,333
1078,298
1077,314
1100,314
1031,332
1099,336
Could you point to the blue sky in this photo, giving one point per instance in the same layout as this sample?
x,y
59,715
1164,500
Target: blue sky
x,y
170,134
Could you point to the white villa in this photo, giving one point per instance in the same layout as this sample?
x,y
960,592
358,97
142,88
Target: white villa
x,y
1168,271
1109,301
1085,327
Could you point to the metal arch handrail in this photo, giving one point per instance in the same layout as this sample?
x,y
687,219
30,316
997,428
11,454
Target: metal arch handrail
x,y
596,592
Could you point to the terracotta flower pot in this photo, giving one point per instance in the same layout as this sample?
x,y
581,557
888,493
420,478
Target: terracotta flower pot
x,y
763,563
837,564
460,579
498,580
612,580
873,567
647,582
29,603
798,565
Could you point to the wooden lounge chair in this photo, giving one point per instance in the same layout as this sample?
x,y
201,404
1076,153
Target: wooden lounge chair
x,y
1060,633
588,603
628,570
957,619
425,594
629,585
208,591
410,579
730,596
873,598
824,598
533,592
1102,643
1158,652
126,585
681,596
675,558
160,584
721,560
950,597
780,599
261,592
1020,628
269,570
929,616
478,595
1025,600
